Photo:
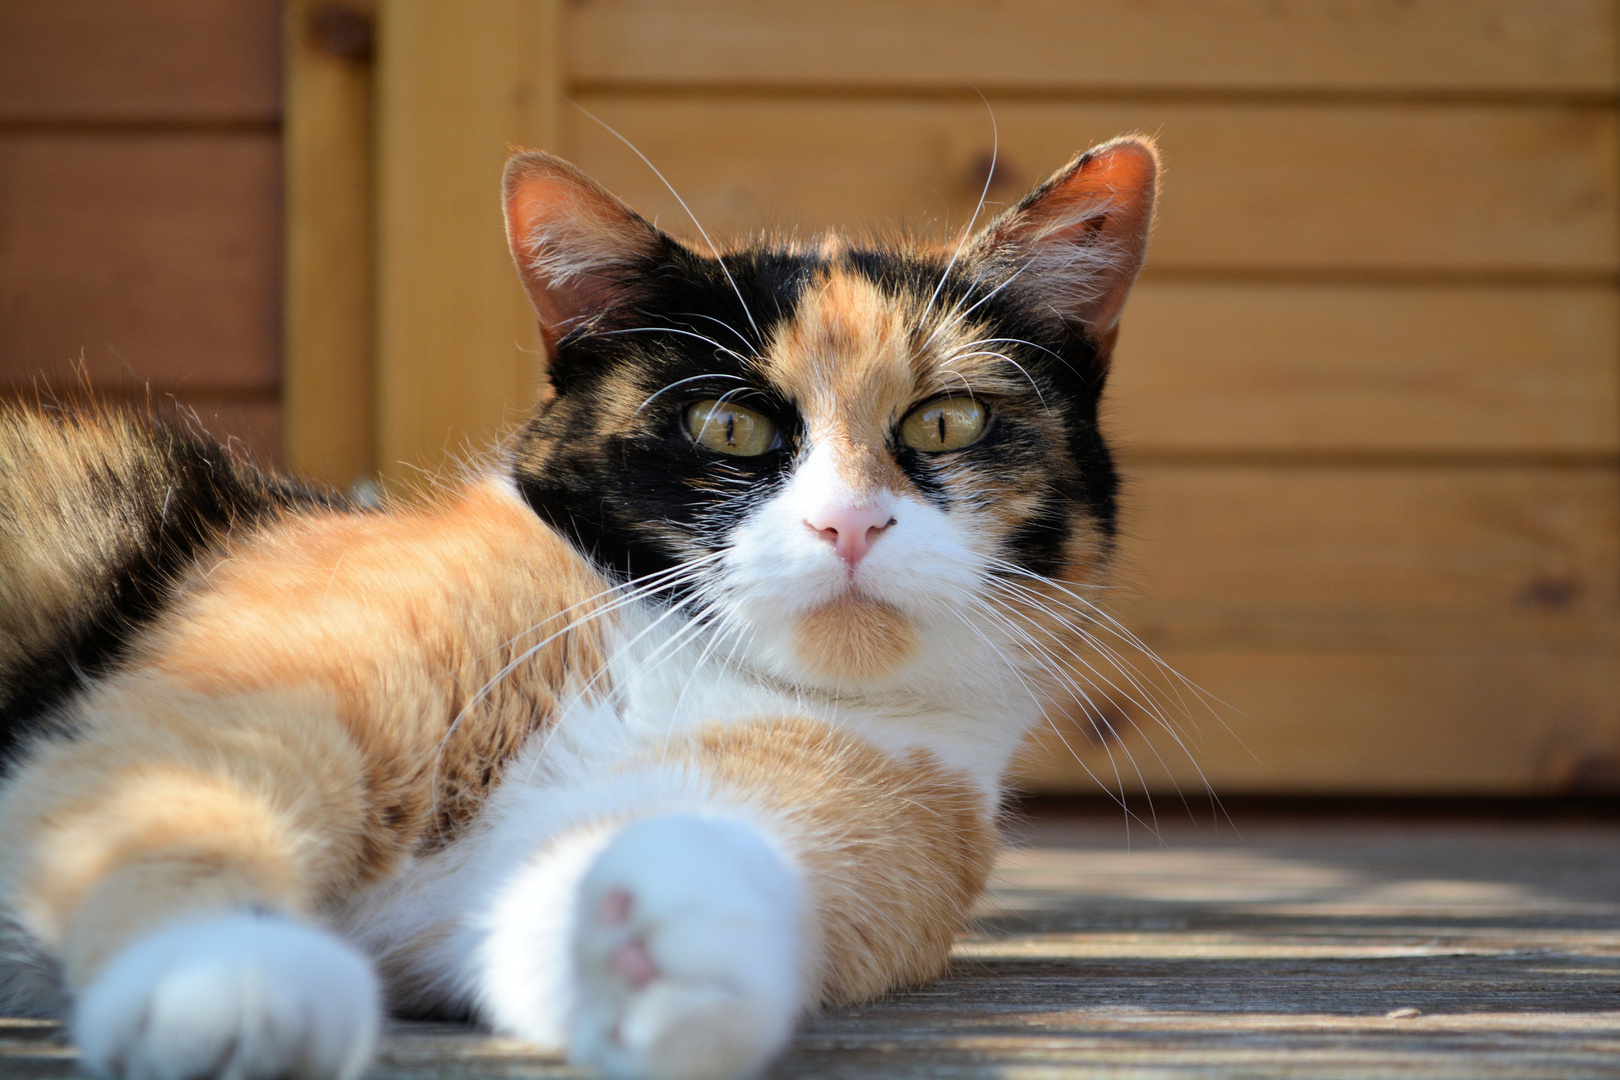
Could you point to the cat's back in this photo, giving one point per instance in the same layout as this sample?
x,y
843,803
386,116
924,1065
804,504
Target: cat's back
x,y
444,631
101,512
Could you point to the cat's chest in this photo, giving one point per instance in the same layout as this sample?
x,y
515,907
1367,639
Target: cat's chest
x,y
663,684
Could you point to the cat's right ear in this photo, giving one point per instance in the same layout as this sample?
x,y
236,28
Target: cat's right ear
x,y
573,242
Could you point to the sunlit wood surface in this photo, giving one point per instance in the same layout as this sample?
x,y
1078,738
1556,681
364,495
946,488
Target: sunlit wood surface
x,y
1303,947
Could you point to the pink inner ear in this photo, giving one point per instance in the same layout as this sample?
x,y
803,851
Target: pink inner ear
x,y
1082,239
532,201
1124,175
566,235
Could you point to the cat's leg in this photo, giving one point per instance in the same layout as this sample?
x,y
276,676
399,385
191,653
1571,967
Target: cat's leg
x,y
666,941
172,856
698,901
242,994
689,950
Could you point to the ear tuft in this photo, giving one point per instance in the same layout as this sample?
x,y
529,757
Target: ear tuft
x,y
573,242
1077,242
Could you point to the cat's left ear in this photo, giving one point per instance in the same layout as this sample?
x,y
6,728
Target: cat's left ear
x,y
1077,242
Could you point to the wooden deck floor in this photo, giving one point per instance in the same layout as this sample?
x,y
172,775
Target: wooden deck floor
x,y
1306,948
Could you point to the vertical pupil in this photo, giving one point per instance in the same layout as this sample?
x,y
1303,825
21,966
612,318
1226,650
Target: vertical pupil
x,y
942,427
731,429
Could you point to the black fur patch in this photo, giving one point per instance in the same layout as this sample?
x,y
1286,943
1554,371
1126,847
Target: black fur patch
x,y
631,489
156,495
639,496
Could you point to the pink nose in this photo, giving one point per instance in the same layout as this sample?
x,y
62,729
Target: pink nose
x,y
851,530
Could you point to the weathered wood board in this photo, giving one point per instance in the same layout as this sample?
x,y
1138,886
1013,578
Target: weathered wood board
x,y
1292,948
1249,187
1341,368
141,206
1483,540
1543,46
168,276
161,61
1460,717
459,93
329,299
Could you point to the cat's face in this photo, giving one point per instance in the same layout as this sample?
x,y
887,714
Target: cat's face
x,y
848,460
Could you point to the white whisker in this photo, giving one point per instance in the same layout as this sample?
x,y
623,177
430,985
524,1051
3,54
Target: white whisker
x,y
1002,356
713,249
989,177
1040,701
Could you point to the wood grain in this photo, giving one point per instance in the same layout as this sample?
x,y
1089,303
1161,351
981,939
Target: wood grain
x,y
1260,946
457,348
1111,46
140,257
330,308
1348,542
164,60
1301,187
1367,368
1508,720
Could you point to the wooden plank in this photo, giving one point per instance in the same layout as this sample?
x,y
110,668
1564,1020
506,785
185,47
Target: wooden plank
x,y
112,60
1405,369
1567,46
140,257
1513,721
329,312
1269,947
458,351
1348,542
1249,187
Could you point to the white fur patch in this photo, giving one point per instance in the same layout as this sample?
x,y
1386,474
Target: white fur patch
x,y
923,565
251,997
718,919
525,975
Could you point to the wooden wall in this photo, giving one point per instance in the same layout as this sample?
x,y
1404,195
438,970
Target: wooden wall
x,y
140,204
1367,395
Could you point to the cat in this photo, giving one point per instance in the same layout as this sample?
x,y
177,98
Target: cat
x,y
685,715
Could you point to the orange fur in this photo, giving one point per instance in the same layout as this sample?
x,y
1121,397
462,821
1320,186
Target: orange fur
x,y
301,700
896,849
854,638
846,359
280,748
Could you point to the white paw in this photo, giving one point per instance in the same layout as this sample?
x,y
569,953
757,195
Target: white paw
x,y
243,997
687,951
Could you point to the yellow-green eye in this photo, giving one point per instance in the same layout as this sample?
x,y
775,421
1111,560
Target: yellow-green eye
x,y
947,423
730,429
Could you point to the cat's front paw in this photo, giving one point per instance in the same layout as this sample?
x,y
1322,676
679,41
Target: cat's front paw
x,y
687,949
249,997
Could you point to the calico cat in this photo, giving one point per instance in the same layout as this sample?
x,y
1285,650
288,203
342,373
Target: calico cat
x,y
685,717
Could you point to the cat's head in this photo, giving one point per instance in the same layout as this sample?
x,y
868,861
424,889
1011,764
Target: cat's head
x,y
858,463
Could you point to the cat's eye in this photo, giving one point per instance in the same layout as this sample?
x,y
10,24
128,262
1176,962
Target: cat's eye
x,y
729,429
947,423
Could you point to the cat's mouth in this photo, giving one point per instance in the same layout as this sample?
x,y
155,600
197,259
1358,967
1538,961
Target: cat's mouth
x,y
854,638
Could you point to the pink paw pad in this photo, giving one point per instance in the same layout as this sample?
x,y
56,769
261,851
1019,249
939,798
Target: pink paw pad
x,y
635,964
614,908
